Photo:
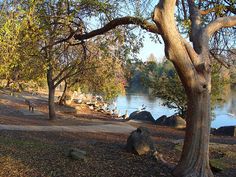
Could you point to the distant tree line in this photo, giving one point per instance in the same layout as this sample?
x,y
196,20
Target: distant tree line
x,y
161,79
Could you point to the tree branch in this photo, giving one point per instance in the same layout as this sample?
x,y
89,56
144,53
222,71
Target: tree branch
x,y
118,22
207,11
223,22
184,10
222,62
67,67
195,17
192,54
67,75
59,41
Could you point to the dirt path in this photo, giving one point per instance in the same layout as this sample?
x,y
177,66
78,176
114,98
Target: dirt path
x,y
108,128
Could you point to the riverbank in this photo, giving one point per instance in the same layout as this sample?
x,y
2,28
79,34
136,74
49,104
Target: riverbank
x,y
43,153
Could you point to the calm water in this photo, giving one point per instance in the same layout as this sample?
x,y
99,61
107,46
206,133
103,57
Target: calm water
x,y
225,114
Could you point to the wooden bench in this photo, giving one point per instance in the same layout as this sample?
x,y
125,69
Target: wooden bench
x,y
30,104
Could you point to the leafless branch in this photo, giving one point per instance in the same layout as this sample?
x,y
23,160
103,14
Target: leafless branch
x,y
225,64
117,22
222,22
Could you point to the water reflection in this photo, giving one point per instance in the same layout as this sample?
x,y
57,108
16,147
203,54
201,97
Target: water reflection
x,y
232,108
225,113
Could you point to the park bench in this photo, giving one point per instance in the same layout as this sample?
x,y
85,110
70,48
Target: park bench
x,y
31,105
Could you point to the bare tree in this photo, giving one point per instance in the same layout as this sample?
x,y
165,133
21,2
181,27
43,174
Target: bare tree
x,y
193,65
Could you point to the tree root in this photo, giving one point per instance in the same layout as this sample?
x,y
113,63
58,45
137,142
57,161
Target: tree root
x,y
159,156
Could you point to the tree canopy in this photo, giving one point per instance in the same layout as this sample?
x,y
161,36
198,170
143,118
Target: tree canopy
x,y
37,40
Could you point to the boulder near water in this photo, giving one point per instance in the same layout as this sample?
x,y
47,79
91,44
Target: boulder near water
x,y
140,142
161,120
172,121
225,131
142,116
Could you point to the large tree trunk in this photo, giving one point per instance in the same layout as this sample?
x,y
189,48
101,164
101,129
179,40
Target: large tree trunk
x,y
194,161
51,94
51,103
194,72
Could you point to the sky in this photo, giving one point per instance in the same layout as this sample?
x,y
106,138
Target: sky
x,y
151,47
148,45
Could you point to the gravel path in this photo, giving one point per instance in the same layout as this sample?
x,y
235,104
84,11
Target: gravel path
x,y
110,128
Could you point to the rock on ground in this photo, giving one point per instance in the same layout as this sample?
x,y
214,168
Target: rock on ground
x,y
172,121
76,154
140,142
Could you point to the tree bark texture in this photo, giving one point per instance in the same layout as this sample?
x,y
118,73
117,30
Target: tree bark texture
x,y
51,103
194,161
51,94
195,78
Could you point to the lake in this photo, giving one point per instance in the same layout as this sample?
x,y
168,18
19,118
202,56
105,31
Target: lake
x,y
225,113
